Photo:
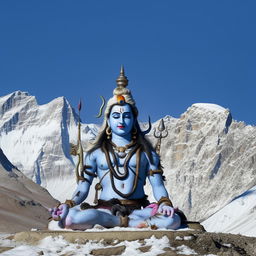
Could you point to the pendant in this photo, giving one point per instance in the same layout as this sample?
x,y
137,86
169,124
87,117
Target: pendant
x,y
121,154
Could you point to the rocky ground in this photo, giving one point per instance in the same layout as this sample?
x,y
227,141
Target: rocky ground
x,y
148,242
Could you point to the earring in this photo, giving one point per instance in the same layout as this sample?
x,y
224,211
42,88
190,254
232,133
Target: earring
x,y
108,132
134,133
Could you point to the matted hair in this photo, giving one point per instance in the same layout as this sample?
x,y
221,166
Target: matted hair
x,y
140,138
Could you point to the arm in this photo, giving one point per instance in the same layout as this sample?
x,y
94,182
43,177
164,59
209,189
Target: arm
x,y
85,180
60,212
156,180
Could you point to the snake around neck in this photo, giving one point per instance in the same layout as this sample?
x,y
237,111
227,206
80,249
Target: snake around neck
x,y
115,172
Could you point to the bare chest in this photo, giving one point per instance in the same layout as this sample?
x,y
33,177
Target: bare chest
x,y
121,163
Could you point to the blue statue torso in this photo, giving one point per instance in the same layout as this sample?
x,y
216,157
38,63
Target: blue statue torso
x,y
124,186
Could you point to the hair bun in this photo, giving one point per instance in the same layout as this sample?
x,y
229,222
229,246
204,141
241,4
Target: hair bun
x,y
121,91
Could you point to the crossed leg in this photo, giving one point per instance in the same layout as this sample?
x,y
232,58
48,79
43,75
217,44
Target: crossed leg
x,y
78,219
142,218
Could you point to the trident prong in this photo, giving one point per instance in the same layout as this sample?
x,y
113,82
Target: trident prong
x,y
162,133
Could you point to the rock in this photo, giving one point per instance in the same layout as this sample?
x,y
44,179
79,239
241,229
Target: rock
x,y
118,250
4,249
145,248
202,243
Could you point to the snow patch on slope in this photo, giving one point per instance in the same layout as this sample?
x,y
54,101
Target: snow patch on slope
x,y
238,217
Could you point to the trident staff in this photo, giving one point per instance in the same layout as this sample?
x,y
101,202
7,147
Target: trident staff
x,y
162,133
77,150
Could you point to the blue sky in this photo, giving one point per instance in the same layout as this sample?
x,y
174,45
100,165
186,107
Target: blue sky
x,y
175,53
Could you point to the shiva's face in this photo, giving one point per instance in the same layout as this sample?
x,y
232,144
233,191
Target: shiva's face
x,y
121,119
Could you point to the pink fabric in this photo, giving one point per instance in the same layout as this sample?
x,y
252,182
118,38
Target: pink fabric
x,y
68,221
154,208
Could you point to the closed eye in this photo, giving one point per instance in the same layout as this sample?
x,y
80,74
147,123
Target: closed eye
x,y
116,115
127,115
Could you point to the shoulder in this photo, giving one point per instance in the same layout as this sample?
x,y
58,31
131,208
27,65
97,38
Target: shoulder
x,y
92,156
154,159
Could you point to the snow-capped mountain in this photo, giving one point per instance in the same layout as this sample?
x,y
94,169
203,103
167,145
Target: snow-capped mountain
x,y
36,138
209,162
208,158
23,203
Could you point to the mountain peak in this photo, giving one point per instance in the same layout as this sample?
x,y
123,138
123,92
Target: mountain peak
x,y
15,94
12,103
19,93
209,107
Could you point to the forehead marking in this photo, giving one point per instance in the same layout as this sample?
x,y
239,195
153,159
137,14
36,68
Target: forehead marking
x,y
121,110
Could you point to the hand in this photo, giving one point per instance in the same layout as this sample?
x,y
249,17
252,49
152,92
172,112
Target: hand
x,y
60,212
166,210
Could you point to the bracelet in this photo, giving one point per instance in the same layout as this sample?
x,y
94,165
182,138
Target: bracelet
x,y
165,200
70,203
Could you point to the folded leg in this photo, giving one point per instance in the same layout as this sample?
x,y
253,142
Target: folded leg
x,y
142,218
84,219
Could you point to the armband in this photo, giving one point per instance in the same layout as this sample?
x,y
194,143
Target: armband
x,y
70,203
89,173
152,172
166,201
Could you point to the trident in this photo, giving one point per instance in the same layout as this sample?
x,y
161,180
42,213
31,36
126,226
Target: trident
x,y
162,133
77,150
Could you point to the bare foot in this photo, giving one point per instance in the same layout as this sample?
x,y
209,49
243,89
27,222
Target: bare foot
x,y
142,225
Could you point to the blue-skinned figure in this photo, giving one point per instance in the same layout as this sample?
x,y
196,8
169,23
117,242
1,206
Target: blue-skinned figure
x,y
122,159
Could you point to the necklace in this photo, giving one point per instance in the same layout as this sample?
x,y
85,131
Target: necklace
x,y
122,151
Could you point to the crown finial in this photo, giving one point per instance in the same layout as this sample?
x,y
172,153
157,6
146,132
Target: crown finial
x,y
122,80
122,70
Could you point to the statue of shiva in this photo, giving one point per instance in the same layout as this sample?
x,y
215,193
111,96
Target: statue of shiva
x,y
122,158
